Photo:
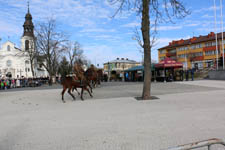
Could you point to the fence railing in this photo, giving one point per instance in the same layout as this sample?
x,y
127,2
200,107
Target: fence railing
x,y
195,145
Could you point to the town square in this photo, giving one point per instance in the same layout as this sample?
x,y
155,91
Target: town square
x,y
112,75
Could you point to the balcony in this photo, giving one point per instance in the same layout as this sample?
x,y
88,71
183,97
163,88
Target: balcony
x,y
170,54
196,58
211,48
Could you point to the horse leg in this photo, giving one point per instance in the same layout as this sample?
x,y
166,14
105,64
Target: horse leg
x,y
69,91
76,90
82,90
90,87
88,91
64,89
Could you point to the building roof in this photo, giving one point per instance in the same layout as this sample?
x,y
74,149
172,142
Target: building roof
x,y
193,40
122,60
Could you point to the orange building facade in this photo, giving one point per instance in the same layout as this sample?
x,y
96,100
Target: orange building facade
x,y
196,52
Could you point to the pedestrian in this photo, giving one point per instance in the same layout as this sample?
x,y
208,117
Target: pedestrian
x,y
13,83
127,76
181,75
17,83
2,85
192,74
187,75
5,85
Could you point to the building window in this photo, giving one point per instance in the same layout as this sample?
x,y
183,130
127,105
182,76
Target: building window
x,y
172,51
8,63
162,58
26,45
182,56
196,54
8,48
207,53
162,51
27,62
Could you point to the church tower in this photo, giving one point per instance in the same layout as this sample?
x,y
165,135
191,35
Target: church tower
x,y
27,40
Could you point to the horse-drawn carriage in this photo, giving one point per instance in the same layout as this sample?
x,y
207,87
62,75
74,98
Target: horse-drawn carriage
x,y
85,80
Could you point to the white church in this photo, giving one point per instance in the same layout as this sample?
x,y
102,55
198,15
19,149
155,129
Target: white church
x,y
15,62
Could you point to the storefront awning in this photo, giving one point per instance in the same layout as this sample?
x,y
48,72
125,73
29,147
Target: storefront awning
x,y
139,68
169,63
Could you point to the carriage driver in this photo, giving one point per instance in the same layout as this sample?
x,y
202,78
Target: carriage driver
x,y
79,71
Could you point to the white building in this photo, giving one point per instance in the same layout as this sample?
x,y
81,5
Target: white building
x,y
15,62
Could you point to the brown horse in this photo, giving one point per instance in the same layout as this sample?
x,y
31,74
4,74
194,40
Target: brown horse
x,y
91,75
69,83
100,75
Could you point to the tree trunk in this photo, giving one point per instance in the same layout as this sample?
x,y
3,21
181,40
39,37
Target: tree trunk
x,y
146,94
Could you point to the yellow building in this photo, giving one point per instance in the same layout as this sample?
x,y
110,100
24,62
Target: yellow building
x,y
196,52
117,67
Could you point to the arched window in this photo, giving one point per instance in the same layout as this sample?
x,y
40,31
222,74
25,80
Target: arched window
x,y
26,45
27,62
8,48
8,63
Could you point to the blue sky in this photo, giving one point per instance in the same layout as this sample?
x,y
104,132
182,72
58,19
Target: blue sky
x,y
104,38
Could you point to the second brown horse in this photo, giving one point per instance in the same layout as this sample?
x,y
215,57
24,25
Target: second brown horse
x,y
69,83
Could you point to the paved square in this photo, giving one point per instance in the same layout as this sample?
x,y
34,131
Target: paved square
x,y
113,120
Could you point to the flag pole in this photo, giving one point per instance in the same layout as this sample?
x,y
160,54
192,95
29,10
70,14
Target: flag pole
x,y
221,13
216,36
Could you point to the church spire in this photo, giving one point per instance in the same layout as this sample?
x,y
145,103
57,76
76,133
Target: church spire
x,y
28,6
28,24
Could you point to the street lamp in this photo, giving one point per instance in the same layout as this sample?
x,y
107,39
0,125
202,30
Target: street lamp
x,y
108,72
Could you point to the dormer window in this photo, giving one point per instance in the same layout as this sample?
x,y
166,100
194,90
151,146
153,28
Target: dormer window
x,y
26,45
8,48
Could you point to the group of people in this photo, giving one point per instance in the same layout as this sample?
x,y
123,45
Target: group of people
x,y
8,83
187,73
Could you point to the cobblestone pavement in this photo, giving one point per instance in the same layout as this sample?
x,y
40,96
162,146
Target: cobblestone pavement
x,y
185,112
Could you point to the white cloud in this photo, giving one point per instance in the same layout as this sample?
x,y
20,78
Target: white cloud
x,y
87,30
206,9
192,24
132,25
164,28
207,16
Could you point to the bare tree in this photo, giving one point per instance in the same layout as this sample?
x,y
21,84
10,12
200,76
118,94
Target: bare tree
x,y
50,44
156,11
73,51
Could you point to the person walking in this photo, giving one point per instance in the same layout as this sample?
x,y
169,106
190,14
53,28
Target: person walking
x,y
187,75
2,85
192,74
181,75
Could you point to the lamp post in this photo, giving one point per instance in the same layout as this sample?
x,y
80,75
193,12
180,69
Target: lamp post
x,y
108,72
216,35
221,13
